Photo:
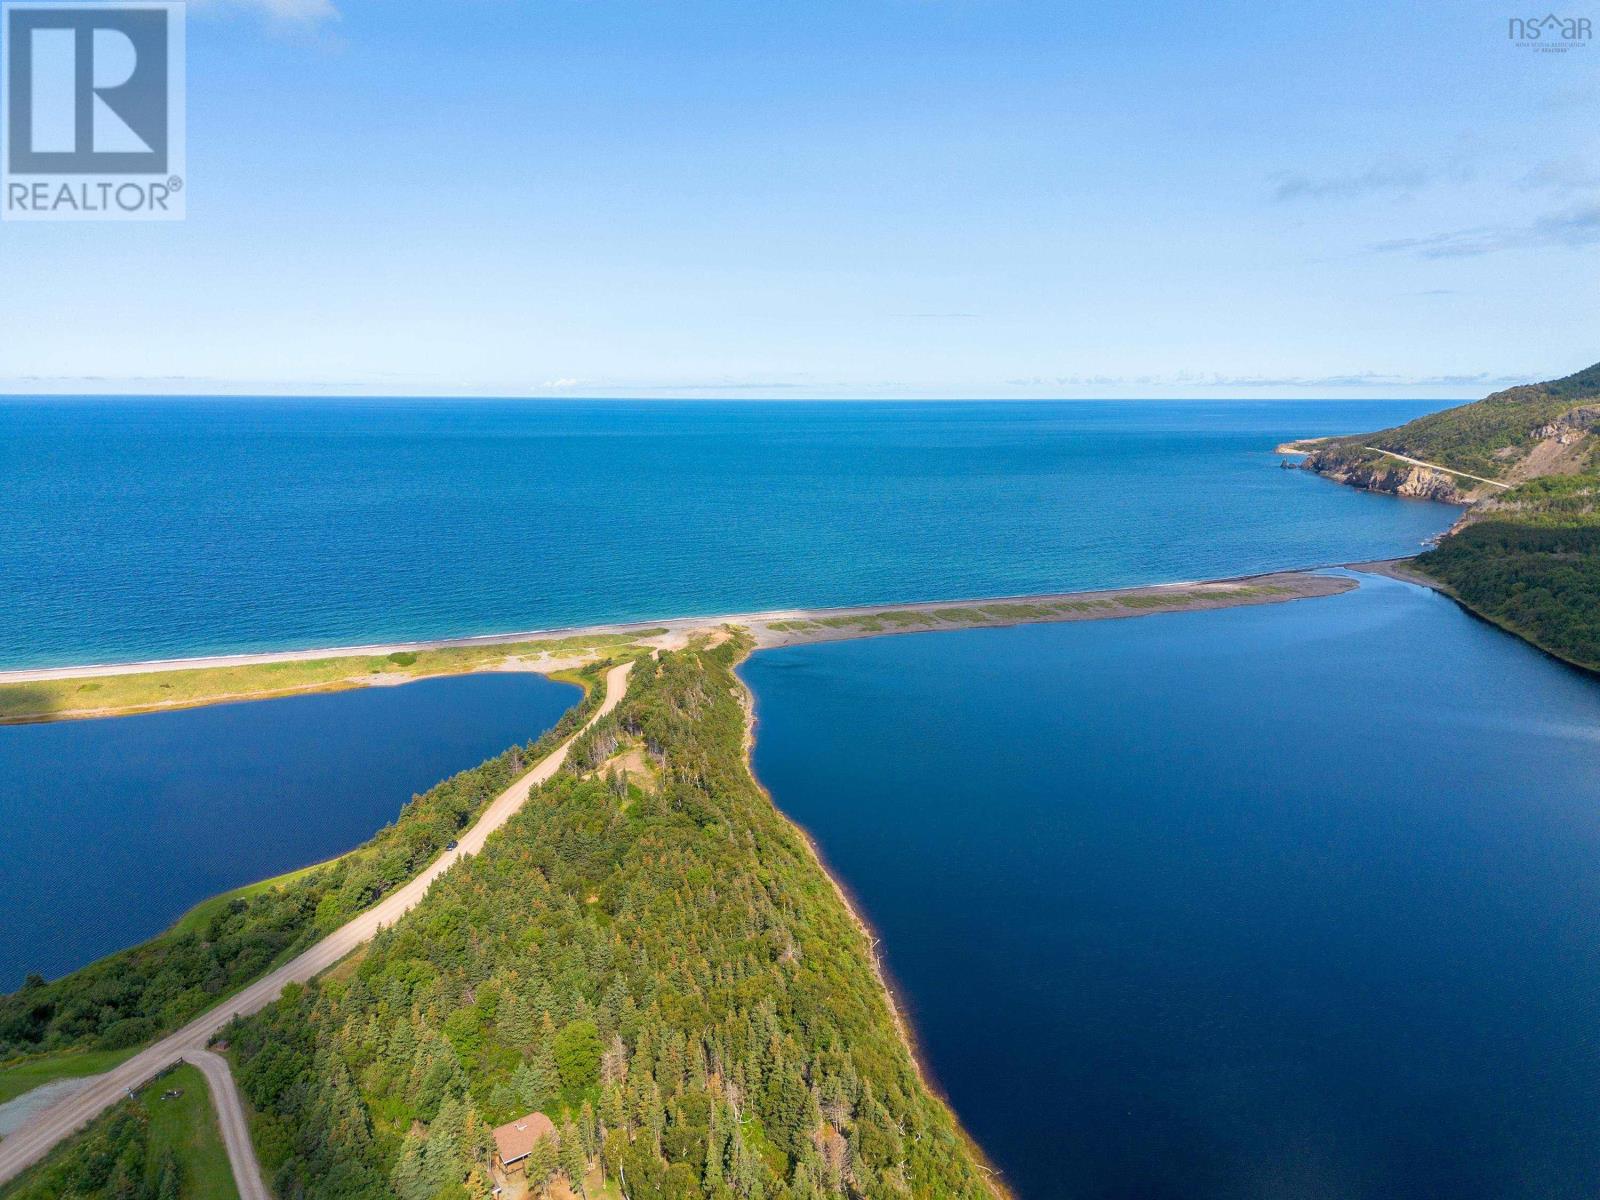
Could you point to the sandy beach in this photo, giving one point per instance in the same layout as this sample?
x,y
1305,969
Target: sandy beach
x,y
776,627
120,689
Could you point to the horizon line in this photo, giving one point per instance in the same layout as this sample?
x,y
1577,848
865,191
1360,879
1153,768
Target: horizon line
x,y
754,397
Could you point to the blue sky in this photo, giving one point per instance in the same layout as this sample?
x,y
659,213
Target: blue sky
x,y
921,198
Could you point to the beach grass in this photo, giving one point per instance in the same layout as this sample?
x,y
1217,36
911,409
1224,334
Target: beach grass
x,y
107,695
1007,612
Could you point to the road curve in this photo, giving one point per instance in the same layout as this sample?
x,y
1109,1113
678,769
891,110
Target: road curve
x,y
34,1139
235,1128
1417,462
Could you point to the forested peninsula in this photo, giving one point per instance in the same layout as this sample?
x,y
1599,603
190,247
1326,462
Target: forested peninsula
x,y
747,1046
650,955
647,953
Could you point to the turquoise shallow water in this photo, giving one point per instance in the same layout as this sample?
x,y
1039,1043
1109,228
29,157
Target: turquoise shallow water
x,y
1292,901
140,528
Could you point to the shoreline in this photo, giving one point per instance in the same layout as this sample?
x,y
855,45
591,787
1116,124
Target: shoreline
x,y
993,1176
44,694
672,628
1395,568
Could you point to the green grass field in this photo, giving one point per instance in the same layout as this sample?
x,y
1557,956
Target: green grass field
x,y
188,1125
1008,612
104,695
155,1133
28,1074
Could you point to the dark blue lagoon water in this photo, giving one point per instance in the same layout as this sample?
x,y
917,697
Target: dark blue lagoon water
x,y
1293,901
142,528
111,829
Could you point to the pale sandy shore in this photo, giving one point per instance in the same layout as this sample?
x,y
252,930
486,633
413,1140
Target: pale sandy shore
x,y
785,626
835,624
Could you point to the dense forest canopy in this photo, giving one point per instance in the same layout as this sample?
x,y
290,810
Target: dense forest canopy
x,y
1539,580
649,954
1529,558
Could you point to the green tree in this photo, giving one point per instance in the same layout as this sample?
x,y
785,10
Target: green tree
x,y
570,1155
543,1079
542,1164
577,1053
169,1177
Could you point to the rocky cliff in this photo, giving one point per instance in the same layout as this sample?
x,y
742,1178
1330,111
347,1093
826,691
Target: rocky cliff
x,y
1376,472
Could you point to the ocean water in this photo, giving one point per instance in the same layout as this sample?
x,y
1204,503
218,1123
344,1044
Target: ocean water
x,y
1291,901
112,829
140,528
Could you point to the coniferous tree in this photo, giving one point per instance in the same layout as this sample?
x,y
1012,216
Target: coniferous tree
x,y
407,1178
542,1164
169,1178
588,1130
544,1080
570,1154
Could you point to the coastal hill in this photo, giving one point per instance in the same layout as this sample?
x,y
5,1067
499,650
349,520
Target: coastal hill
x,y
1526,552
1475,452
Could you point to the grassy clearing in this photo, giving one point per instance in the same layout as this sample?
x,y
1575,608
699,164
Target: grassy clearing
x,y
22,1077
147,1148
105,695
187,1125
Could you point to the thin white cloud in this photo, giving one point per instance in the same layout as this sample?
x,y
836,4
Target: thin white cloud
x,y
1562,175
734,385
1574,227
1187,380
1369,379
300,13
1377,179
